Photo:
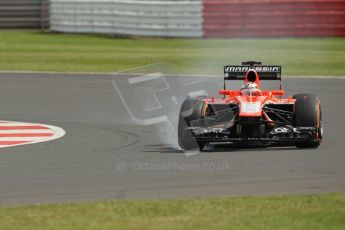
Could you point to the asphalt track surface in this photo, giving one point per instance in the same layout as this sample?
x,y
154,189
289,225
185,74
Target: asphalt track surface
x,y
106,156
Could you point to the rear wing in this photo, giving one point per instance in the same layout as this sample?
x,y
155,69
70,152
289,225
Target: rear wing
x,y
238,72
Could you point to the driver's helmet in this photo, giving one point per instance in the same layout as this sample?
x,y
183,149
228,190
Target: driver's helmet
x,y
250,89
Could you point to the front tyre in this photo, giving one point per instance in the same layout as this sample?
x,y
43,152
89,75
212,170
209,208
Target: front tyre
x,y
191,109
307,113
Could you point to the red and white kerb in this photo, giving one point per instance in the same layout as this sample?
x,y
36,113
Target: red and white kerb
x,y
19,133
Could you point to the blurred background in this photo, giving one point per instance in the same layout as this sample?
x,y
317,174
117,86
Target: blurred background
x,y
179,18
306,37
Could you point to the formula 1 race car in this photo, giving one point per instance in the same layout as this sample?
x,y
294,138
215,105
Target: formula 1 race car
x,y
251,116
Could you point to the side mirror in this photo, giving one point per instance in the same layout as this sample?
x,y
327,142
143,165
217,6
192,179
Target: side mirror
x,y
224,92
278,92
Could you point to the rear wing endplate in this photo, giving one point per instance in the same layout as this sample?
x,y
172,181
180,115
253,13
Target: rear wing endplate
x,y
238,72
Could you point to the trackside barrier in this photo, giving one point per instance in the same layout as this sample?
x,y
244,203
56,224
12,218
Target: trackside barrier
x,y
24,13
273,18
128,17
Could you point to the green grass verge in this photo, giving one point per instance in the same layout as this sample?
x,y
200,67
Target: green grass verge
x,y
325,211
35,51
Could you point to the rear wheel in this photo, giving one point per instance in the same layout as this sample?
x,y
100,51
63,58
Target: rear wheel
x,y
191,109
307,113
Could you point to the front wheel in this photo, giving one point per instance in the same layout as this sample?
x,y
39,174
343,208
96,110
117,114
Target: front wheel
x,y
307,113
191,109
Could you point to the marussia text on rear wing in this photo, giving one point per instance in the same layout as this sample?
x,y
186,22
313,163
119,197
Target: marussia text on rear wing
x,y
266,72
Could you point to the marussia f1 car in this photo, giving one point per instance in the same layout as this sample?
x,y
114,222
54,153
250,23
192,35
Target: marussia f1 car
x,y
251,116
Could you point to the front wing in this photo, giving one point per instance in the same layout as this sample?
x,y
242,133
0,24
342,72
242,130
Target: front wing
x,y
280,135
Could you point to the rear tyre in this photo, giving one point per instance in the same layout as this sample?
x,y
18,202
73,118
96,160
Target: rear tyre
x,y
307,113
191,109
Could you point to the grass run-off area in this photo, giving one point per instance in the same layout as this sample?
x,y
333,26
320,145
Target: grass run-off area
x,y
35,51
325,211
